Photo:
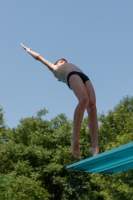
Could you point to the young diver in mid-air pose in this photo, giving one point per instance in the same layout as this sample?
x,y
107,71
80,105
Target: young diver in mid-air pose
x,y
82,87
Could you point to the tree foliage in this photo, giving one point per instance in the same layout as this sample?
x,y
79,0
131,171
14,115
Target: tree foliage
x,y
34,156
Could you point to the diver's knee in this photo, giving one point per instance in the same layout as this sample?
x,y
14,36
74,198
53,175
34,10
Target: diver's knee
x,y
84,101
92,108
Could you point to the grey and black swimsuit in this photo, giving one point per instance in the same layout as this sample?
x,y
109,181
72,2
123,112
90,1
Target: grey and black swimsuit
x,y
82,76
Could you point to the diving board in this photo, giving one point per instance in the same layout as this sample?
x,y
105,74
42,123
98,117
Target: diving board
x,y
110,162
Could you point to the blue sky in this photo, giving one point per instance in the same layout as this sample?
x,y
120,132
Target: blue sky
x,y
97,36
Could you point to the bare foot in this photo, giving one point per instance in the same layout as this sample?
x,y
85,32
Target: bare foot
x,y
94,151
75,149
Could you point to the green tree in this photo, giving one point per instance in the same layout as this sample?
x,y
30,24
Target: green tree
x,y
115,130
2,126
18,178
33,160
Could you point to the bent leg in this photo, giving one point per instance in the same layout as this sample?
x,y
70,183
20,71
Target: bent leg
x,y
92,118
79,89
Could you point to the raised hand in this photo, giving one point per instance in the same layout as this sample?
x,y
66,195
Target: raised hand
x,y
37,56
32,53
25,48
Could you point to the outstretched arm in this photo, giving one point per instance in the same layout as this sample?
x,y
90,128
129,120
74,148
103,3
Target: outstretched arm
x,y
37,56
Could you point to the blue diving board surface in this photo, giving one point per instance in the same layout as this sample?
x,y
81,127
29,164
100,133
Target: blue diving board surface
x,y
110,162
